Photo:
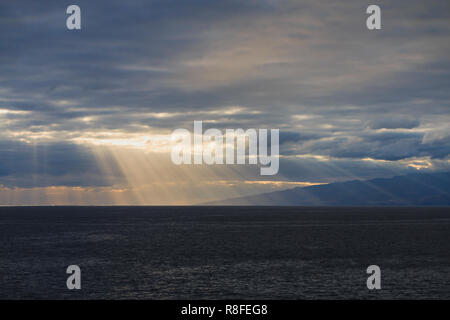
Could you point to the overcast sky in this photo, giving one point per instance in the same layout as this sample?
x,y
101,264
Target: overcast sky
x,y
85,114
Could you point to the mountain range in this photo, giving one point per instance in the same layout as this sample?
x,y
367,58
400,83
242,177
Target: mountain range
x,y
422,189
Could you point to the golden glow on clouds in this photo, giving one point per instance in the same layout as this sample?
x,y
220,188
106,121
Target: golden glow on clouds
x,y
276,184
303,117
314,156
136,162
13,112
284,184
136,175
157,143
232,110
138,136
418,163
64,103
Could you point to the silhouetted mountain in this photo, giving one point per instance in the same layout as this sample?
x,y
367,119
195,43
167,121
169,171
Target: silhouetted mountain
x,y
431,189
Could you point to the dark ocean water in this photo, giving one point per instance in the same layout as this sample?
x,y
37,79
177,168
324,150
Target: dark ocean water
x,y
224,252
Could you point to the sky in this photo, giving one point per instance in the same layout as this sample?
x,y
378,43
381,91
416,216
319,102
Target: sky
x,y
86,115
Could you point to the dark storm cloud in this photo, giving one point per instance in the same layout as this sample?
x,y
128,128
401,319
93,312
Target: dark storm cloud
x,y
310,68
394,123
25,165
294,137
148,55
308,169
381,146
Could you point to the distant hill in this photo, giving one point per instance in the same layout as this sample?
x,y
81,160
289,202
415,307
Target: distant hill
x,y
431,189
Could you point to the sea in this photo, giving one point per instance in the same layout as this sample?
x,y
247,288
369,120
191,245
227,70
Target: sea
x,y
224,252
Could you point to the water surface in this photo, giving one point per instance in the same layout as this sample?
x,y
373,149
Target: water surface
x,y
224,252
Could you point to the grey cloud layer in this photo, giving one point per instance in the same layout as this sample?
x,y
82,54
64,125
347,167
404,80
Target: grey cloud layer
x,y
310,68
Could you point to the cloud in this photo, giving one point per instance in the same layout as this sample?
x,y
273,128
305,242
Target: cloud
x,y
394,123
59,164
382,146
335,90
